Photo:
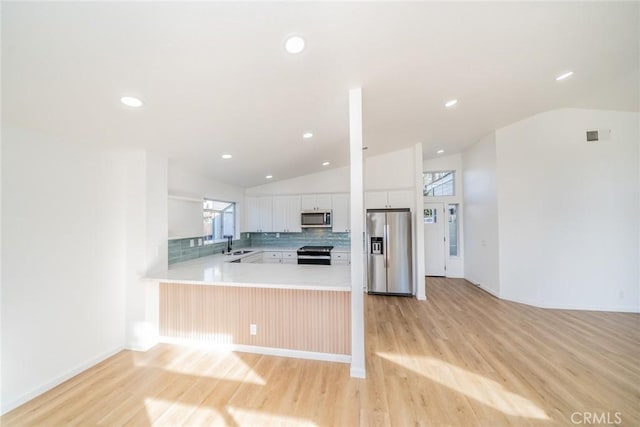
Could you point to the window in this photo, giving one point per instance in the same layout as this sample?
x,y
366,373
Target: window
x,y
438,184
219,220
430,216
453,229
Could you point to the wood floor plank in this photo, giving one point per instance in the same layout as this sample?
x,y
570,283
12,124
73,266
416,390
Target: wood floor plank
x,y
461,358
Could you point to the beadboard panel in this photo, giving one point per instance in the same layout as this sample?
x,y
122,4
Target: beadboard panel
x,y
307,320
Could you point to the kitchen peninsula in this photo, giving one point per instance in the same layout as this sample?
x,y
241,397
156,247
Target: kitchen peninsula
x,y
273,308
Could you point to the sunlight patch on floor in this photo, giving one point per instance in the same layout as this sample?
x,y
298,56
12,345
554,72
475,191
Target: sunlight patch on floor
x,y
475,386
217,355
247,417
156,408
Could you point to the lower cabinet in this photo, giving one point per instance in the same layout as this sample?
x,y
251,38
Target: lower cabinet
x,y
289,257
277,257
272,257
340,258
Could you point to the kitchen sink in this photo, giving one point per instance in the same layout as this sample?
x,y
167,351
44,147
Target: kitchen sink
x,y
241,252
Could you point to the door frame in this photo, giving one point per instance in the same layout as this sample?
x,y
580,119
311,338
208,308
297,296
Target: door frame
x,y
439,206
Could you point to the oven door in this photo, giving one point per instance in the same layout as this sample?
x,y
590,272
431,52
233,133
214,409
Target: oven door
x,y
314,259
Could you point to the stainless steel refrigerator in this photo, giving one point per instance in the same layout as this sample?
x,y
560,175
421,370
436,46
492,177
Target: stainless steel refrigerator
x,y
389,261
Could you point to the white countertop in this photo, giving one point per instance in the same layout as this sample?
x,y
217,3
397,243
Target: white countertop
x,y
218,270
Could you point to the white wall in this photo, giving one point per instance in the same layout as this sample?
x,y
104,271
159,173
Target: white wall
x,y
569,211
63,293
1,275
183,221
480,214
455,265
185,183
387,171
146,234
329,181
185,217
390,171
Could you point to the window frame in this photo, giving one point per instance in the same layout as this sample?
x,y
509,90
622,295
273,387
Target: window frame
x,y
457,227
212,240
452,172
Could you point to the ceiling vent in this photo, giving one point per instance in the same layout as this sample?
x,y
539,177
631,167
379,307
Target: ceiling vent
x,y
598,135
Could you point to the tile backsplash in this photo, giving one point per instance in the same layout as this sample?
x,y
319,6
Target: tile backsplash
x,y
309,236
181,249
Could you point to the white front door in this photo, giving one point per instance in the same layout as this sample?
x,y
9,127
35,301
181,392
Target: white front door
x,y
434,241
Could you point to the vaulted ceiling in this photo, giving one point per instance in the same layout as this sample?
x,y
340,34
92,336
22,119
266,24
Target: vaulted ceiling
x,y
215,78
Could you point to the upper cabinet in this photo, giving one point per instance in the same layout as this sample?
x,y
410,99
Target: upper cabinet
x,y
316,202
281,214
388,199
259,214
341,219
286,214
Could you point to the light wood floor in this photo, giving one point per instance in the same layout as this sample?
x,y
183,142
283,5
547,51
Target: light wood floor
x,y
463,358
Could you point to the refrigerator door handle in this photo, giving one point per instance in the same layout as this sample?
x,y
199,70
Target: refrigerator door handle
x,y
386,244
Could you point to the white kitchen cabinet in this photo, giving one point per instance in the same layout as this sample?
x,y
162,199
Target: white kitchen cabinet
x,y
316,202
400,199
388,199
259,214
375,200
289,257
286,214
340,258
272,257
341,219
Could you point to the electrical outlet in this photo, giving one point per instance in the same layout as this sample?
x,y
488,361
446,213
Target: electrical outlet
x,y
191,244
277,235
253,329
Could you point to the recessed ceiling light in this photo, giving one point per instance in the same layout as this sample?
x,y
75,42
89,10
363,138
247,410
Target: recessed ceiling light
x,y
325,163
307,135
269,176
440,151
131,101
564,76
294,44
451,103
227,156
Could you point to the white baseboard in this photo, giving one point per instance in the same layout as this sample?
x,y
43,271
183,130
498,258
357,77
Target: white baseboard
x,y
575,307
489,291
6,407
357,373
141,347
270,351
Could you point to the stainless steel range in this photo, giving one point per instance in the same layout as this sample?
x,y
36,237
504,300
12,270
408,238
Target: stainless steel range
x,y
318,255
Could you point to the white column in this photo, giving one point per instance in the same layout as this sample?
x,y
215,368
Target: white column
x,y
419,226
357,233
146,232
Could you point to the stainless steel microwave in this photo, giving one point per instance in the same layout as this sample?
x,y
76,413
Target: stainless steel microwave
x,y
315,219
